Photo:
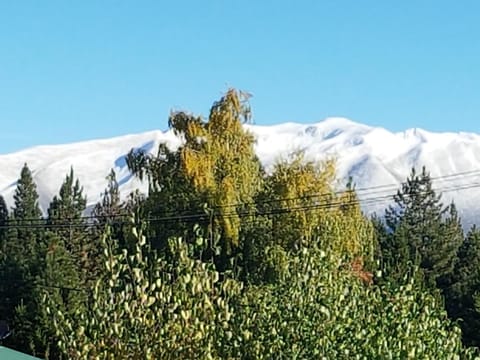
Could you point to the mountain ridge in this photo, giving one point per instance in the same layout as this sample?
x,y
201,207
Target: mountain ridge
x,y
372,156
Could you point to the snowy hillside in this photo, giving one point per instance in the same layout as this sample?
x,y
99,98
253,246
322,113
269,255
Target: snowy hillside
x,y
372,156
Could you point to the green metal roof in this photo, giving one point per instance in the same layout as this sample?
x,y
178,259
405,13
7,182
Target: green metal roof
x,y
9,354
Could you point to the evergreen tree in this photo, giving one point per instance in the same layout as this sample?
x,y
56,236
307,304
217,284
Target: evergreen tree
x,y
26,220
421,231
108,212
4,271
26,197
3,225
60,280
444,259
26,215
22,265
461,297
65,219
69,204
110,206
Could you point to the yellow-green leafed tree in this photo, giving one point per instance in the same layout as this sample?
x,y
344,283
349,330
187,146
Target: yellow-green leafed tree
x,y
219,159
305,207
346,231
299,191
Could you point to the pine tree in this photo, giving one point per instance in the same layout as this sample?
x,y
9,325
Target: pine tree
x,y
60,280
70,203
110,206
26,219
461,297
65,219
108,212
4,271
3,225
421,232
5,267
22,265
26,197
63,254
26,214
445,256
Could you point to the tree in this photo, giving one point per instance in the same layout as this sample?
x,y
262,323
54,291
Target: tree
x,y
219,159
25,222
171,194
452,232
300,191
320,311
21,266
144,307
152,308
462,296
65,219
214,172
5,305
69,205
61,279
297,207
26,197
421,231
110,210
26,215
110,206
3,225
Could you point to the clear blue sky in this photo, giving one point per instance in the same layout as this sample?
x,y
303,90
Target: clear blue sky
x,y
75,70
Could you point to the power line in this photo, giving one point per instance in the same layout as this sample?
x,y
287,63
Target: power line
x,y
92,220
204,216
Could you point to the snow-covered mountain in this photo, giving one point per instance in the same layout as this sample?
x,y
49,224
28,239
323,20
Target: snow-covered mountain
x,y
376,159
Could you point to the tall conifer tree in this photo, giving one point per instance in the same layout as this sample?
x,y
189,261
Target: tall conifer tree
x,y
23,264
26,214
65,219
108,212
110,204
421,231
462,296
3,224
70,203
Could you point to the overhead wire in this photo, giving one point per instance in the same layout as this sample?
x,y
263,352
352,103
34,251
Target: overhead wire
x,y
364,196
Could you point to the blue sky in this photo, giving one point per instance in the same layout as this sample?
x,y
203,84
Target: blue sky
x,y
76,70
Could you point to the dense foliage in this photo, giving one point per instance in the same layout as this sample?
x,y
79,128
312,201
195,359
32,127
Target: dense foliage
x,y
222,259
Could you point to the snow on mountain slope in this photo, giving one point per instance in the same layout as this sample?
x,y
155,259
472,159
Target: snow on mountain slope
x,y
371,156
91,161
